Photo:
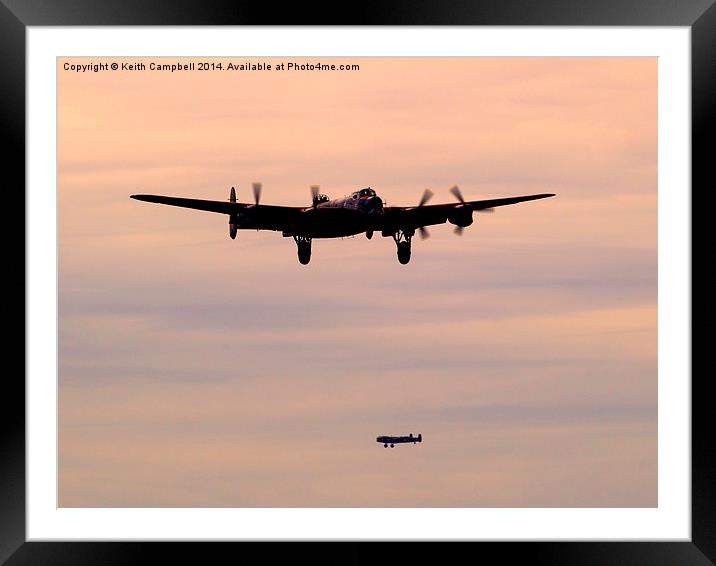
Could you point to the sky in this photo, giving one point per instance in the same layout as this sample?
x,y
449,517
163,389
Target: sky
x,y
197,371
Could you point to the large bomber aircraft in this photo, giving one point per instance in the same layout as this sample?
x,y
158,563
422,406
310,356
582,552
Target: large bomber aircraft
x,y
361,212
393,440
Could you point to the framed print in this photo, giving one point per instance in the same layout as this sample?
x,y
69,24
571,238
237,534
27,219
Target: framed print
x,y
248,319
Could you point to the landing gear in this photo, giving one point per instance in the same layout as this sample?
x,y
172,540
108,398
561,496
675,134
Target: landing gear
x,y
385,446
392,445
403,252
304,248
402,239
233,227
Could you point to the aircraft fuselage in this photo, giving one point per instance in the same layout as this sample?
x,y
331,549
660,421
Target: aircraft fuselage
x,y
358,213
393,440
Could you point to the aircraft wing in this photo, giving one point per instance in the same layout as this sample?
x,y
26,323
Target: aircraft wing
x,y
495,202
221,206
431,214
266,216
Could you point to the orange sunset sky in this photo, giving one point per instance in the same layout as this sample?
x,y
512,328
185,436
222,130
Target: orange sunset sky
x,y
197,371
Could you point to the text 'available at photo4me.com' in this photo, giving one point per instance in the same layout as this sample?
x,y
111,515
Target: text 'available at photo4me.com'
x,y
217,65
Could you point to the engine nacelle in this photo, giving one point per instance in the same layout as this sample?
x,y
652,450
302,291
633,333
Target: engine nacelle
x,y
461,216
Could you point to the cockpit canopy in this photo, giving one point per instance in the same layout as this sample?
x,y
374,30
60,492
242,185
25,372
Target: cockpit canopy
x,y
367,192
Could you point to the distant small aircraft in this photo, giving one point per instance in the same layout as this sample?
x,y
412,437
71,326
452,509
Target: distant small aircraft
x,y
360,212
393,440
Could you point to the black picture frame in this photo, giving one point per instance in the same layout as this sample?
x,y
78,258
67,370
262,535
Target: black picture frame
x,y
17,15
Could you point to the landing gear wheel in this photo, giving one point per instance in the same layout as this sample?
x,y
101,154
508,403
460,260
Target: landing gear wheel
x,y
304,249
402,239
385,446
304,253
404,252
392,445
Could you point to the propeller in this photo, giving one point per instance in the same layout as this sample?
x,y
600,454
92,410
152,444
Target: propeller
x,y
257,193
314,194
455,190
427,195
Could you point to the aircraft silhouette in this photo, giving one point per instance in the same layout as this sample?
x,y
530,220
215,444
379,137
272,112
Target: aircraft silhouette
x,y
393,440
361,212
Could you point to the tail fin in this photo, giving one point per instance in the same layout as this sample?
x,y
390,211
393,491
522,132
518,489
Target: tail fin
x,y
420,438
232,195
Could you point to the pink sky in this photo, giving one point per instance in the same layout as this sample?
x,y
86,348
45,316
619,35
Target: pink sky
x,y
200,371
